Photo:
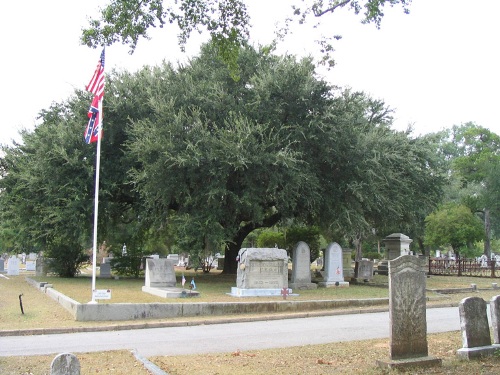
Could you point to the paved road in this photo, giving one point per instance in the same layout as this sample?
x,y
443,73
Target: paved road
x,y
225,337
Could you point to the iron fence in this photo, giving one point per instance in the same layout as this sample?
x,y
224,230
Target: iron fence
x,y
464,267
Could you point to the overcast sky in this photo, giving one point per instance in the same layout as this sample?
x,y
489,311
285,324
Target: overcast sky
x,y
437,67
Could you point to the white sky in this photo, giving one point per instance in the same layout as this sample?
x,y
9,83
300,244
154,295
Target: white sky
x,y
438,66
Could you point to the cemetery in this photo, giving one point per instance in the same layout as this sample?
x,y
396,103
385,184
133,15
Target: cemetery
x,y
263,276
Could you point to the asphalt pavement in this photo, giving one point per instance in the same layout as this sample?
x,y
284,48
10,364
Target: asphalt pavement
x,y
225,337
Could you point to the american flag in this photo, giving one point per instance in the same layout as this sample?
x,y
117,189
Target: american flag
x,y
96,84
96,87
92,130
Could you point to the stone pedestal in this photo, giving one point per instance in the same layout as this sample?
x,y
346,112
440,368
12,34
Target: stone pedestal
x,y
397,244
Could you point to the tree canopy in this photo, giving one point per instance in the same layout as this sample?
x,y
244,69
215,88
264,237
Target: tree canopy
x,y
226,21
190,149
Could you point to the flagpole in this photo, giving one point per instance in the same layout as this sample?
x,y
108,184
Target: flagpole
x,y
95,125
96,201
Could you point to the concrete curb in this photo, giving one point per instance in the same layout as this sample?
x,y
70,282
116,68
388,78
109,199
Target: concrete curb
x,y
203,321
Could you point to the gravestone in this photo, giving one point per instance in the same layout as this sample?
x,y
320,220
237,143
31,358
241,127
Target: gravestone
x,y
365,269
347,264
334,273
173,257
65,364
476,339
13,266
261,272
301,268
397,244
30,265
105,270
407,315
40,267
495,318
2,265
160,280
160,273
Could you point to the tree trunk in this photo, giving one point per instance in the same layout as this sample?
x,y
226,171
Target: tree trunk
x,y
358,255
234,246
487,233
230,263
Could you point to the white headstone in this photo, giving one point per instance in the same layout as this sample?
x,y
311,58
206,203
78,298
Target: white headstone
x,y
30,265
13,266
334,273
160,273
301,267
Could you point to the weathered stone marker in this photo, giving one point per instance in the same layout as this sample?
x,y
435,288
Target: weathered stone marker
x,y
495,318
407,314
13,266
65,364
476,339
301,267
160,279
261,272
105,270
365,269
160,273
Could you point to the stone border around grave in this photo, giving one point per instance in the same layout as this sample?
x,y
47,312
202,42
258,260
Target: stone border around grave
x,y
131,311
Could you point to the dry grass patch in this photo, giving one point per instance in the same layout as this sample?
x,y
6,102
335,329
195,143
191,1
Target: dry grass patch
x,y
112,362
356,357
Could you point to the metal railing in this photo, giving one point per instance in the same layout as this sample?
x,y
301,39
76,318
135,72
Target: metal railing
x,y
464,267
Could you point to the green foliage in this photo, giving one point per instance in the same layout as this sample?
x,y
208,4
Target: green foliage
x,y
227,22
453,225
271,239
128,265
373,255
194,153
65,259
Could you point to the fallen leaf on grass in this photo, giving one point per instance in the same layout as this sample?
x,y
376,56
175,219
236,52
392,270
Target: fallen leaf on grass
x,y
323,362
238,353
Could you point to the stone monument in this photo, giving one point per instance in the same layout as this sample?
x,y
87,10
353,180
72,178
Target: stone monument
x,y
476,339
397,244
105,270
261,272
347,264
407,315
13,266
65,364
495,318
365,269
301,268
160,280
334,273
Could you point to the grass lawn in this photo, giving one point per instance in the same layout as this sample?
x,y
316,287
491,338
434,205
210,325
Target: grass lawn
x,y
339,358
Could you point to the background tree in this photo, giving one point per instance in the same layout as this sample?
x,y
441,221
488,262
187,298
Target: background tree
x,y
45,189
453,225
477,153
194,151
277,144
226,21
